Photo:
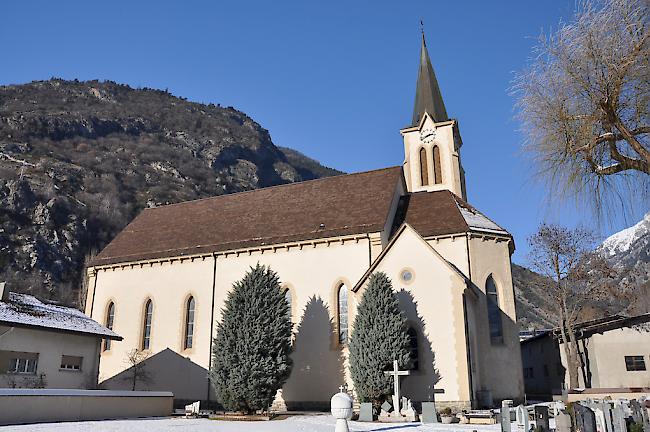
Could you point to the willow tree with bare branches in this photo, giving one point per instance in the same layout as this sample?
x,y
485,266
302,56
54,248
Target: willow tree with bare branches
x,y
583,103
576,277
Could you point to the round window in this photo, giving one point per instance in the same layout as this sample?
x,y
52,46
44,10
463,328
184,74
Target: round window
x,y
407,276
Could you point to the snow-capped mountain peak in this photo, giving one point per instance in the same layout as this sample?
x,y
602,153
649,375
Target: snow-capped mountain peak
x,y
622,241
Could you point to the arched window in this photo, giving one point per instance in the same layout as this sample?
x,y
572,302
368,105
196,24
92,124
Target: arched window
x,y
437,170
413,349
110,317
342,299
146,327
189,323
424,167
494,313
287,298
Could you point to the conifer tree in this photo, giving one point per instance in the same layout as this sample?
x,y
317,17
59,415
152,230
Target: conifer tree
x,y
253,342
378,337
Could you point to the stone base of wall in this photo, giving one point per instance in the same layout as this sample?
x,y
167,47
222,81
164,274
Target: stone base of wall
x,y
456,406
23,406
308,405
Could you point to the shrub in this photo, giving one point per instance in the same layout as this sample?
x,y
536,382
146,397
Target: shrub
x,y
378,338
253,342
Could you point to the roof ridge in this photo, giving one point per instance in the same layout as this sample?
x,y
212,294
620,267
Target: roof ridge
x,y
273,187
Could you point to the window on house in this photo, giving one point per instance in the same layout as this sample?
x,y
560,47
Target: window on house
x,y
437,169
110,317
528,372
343,314
424,167
559,369
287,298
494,313
146,330
71,363
189,323
413,349
23,363
634,363
545,370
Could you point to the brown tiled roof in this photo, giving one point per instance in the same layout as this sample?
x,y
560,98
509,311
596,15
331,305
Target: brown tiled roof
x,y
431,213
440,213
346,204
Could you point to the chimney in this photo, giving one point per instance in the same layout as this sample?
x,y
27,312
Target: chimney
x,y
4,292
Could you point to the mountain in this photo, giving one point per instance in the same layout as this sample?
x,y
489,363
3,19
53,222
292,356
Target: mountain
x,y
78,160
627,251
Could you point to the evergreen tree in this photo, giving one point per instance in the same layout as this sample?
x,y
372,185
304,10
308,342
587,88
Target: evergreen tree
x,y
378,337
253,342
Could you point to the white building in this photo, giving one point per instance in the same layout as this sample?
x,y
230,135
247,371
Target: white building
x,y
162,282
48,346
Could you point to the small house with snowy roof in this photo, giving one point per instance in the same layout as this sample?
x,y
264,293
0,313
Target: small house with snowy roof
x,y
48,346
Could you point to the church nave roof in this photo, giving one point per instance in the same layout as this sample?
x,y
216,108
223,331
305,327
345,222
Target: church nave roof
x,y
344,205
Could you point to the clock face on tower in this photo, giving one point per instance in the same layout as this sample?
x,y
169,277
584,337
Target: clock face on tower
x,y
427,135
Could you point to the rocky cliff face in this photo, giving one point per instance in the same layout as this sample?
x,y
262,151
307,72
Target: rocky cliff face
x,y
78,160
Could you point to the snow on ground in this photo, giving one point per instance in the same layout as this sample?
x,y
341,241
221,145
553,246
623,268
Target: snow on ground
x,y
317,423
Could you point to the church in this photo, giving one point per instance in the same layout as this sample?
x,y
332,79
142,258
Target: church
x,y
162,282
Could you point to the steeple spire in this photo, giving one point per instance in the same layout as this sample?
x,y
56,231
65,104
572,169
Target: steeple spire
x,y
427,94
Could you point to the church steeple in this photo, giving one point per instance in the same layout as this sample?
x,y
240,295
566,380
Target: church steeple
x,y
432,142
427,94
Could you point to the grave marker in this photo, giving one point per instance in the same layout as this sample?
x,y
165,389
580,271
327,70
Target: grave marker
x,y
523,425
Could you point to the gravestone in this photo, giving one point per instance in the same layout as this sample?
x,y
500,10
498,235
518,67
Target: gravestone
x,y
429,413
541,418
637,416
618,418
562,421
396,373
505,415
407,411
365,412
645,405
523,425
599,412
396,414
607,412
585,418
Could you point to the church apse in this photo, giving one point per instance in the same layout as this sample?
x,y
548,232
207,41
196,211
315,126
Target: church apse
x,y
318,368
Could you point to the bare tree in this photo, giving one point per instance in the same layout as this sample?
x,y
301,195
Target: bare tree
x,y
135,359
82,292
575,277
583,102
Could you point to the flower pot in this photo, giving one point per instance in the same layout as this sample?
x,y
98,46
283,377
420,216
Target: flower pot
x,y
447,419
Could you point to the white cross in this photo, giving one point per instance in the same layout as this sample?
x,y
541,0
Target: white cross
x,y
396,373
341,388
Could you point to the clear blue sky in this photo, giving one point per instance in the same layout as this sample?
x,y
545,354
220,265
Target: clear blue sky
x,y
333,79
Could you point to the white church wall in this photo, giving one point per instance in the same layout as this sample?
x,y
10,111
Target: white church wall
x,y
500,369
453,249
168,285
314,275
432,301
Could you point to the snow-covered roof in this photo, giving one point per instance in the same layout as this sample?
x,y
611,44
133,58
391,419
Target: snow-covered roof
x,y
27,311
478,221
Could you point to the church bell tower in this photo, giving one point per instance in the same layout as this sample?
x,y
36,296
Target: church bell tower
x,y
432,142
